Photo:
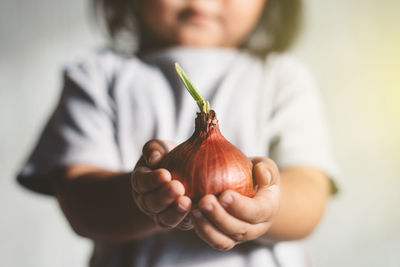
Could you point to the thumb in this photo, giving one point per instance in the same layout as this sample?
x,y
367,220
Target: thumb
x,y
155,149
263,176
265,172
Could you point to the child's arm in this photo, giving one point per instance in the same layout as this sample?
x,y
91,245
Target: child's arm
x,y
286,207
98,203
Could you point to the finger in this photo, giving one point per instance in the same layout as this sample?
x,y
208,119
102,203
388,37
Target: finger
x,y
269,168
255,210
265,203
209,233
268,178
158,200
186,224
233,227
154,149
144,180
175,213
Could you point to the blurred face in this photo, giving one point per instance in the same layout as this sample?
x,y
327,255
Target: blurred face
x,y
200,22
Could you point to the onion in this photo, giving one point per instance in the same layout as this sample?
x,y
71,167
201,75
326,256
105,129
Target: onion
x,y
207,163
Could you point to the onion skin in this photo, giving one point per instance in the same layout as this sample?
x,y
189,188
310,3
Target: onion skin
x,y
207,163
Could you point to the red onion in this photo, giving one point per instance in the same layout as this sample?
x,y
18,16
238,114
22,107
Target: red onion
x,y
207,163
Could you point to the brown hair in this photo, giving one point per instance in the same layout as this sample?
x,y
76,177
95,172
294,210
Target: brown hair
x,y
276,30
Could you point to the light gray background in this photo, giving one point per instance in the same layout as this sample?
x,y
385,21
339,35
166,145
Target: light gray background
x,y
353,48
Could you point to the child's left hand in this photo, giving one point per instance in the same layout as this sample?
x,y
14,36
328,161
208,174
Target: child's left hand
x,y
234,218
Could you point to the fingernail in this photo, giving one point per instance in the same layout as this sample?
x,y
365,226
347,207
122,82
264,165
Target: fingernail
x,y
264,169
181,208
227,199
207,207
197,214
154,156
269,176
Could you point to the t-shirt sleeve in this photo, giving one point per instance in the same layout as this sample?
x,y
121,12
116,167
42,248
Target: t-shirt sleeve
x,y
81,130
300,134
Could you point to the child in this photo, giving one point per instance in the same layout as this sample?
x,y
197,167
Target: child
x,y
112,105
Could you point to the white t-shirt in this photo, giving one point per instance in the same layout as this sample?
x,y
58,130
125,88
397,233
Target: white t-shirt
x,y
112,105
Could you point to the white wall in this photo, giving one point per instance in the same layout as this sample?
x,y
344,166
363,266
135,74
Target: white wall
x,y
36,38
353,47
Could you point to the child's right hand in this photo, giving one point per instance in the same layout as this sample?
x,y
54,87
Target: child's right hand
x,y
154,191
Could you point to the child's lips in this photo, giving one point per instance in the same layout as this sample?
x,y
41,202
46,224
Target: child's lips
x,y
197,17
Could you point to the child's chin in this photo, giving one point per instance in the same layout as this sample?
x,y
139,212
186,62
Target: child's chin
x,y
199,40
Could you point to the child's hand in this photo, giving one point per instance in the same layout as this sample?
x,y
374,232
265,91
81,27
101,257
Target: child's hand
x,y
233,218
155,193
